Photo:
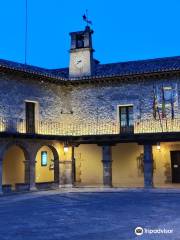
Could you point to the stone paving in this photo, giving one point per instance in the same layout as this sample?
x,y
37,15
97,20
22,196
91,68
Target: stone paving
x,y
83,215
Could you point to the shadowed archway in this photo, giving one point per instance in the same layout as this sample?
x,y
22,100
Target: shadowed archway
x,y
15,157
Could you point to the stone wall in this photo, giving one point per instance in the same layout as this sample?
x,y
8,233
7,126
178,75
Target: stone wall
x,y
89,102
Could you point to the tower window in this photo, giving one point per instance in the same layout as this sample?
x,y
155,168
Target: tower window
x,y
79,41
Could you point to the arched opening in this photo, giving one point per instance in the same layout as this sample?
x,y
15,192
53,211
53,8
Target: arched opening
x,y
13,166
47,166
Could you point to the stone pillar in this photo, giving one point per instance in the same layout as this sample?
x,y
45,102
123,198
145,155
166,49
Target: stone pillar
x,y
56,171
32,169
61,173
68,173
148,166
1,172
73,167
107,165
26,171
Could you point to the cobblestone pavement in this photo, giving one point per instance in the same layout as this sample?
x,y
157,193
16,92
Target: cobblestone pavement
x,y
89,215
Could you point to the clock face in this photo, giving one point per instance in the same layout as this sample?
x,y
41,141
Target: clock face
x,y
79,61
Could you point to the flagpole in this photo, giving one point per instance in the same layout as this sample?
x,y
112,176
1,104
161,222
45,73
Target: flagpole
x,y
157,108
160,119
172,103
164,107
26,30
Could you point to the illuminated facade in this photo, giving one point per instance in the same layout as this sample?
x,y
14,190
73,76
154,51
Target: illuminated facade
x,y
90,124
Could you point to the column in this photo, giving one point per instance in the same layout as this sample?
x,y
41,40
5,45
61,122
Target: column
x,y
61,173
32,169
73,167
67,169
56,171
70,170
148,166
26,171
1,171
107,165
68,173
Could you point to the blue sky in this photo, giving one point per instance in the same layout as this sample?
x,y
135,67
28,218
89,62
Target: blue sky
x,y
123,29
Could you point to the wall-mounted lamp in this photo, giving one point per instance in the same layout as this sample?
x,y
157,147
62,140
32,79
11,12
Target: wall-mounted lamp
x,y
158,146
66,147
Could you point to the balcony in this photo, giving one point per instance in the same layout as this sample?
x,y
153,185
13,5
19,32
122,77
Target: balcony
x,y
12,125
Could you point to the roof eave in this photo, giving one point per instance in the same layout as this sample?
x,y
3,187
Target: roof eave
x,y
56,79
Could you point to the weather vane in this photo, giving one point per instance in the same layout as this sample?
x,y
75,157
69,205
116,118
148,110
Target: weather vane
x,y
86,18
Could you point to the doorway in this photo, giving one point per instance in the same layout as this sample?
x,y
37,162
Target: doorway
x,y
126,119
30,117
175,166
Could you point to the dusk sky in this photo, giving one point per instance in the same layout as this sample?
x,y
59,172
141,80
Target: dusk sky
x,y
123,29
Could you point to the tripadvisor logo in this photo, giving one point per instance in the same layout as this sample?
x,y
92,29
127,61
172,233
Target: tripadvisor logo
x,y
139,231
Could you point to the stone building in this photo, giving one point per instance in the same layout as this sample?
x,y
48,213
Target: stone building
x,y
90,124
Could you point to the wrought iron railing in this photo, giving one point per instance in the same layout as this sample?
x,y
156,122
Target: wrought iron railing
x,y
16,125
75,129
157,126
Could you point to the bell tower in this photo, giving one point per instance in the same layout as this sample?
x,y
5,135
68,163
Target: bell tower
x,y
81,53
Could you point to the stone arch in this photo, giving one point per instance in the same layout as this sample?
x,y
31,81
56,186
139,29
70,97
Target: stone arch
x,y
14,158
19,144
56,171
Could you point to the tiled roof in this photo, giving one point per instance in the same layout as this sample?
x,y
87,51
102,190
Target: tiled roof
x,y
139,67
103,70
28,69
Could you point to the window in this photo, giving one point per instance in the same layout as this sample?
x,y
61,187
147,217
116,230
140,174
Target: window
x,y
43,158
126,118
79,41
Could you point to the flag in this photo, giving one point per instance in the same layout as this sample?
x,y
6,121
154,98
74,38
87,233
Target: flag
x,y
156,112
163,104
155,105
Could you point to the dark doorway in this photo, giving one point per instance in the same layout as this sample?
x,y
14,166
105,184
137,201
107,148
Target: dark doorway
x,y
30,117
175,166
